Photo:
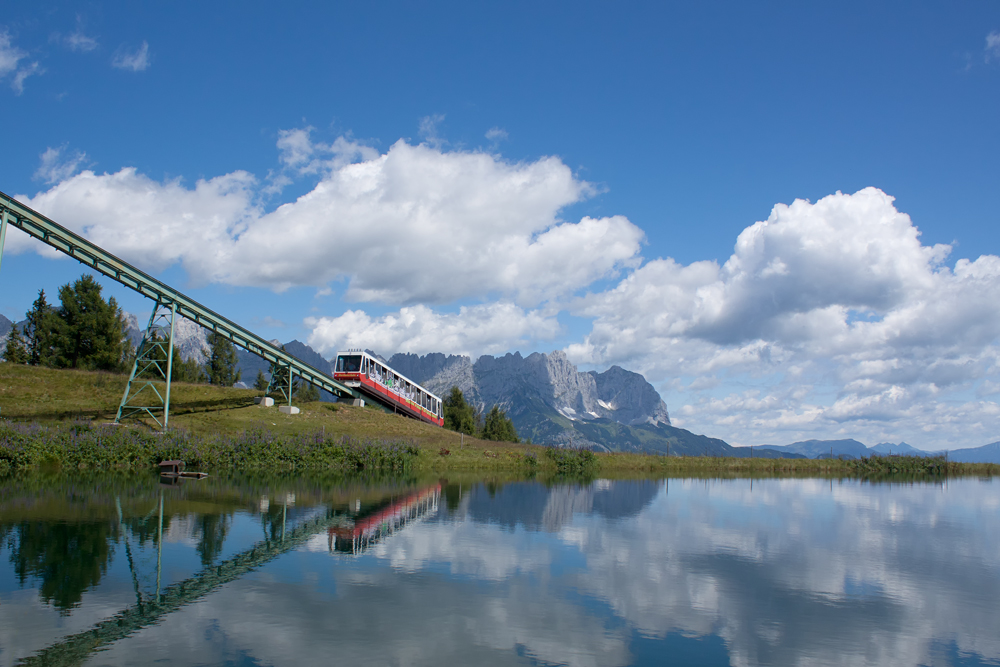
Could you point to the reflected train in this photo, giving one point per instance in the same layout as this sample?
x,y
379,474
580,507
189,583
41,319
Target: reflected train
x,y
375,380
363,532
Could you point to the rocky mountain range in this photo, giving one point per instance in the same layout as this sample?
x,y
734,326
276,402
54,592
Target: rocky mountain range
x,y
551,402
5,327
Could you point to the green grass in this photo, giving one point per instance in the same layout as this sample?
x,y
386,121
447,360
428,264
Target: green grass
x,y
221,424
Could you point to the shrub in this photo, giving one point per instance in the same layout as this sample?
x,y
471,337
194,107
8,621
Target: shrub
x,y
571,460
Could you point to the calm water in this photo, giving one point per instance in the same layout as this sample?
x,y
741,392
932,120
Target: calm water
x,y
407,572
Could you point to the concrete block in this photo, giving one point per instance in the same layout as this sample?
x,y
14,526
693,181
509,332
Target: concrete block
x,y
358,402
289,409
265,402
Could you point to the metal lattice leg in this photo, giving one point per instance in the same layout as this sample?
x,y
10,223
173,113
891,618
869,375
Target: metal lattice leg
x,y
152,370
3,232
280,384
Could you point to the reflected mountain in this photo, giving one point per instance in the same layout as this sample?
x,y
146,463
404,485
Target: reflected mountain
x,y
538,507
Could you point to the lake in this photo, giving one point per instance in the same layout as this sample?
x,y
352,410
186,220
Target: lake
x,y
245,570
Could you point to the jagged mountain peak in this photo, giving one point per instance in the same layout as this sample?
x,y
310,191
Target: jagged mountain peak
x,y
550,383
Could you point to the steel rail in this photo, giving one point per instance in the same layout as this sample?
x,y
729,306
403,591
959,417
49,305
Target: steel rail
x,y
38,226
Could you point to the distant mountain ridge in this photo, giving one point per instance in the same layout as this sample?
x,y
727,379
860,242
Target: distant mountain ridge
x,y
853,449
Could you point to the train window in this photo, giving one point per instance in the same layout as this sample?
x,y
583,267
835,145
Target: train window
x,y
349,364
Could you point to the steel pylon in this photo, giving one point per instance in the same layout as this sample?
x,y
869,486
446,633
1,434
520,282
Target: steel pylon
x,y
281,383
152,370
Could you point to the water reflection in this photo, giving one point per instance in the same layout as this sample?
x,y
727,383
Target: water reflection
x,y
603,573
66,558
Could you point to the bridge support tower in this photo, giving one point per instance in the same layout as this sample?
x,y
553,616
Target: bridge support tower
x,y
147,393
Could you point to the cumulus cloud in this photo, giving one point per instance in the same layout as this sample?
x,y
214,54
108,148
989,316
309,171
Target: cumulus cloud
x,y
10,59
840,292
133,61
474,330
416,224
151,224
299,153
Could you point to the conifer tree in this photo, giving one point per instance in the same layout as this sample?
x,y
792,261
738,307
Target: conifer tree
x,y
260,384
15,352
305,392
187,370
38,331
459,415
497,426
222,361
89,332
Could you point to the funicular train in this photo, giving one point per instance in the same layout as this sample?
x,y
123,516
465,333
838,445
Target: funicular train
x,y
374,379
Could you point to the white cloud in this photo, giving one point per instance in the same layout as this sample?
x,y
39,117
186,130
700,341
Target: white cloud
x,y
56,166
416,224
840,294
151,224
23,73
474,330
300,154
429,130
993,45
10,57
135,61
78,41
496,135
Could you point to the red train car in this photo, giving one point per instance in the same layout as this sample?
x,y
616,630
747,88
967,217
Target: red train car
x,y
378,382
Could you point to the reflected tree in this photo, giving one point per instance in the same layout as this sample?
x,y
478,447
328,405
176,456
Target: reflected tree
x,y
68,558
214,528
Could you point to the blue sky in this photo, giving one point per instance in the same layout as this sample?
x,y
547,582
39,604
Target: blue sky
x,y
673,128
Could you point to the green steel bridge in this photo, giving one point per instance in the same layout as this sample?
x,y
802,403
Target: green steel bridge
x,y
147,393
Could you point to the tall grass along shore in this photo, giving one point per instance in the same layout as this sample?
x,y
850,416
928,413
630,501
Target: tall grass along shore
x,y
80,445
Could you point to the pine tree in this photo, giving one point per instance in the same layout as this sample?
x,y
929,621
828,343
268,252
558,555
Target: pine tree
x,y
89,332
15,352
305,392
38,331
498,426
187,371
222,361
260,384
459,415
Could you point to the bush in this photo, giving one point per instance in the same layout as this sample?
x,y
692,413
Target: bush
x,y
84,446
571,460
875,466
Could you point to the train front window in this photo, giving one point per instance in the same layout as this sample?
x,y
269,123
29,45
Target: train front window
x,y
349,364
